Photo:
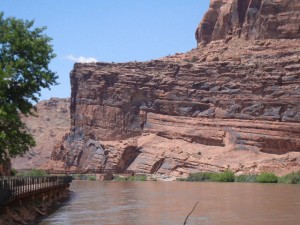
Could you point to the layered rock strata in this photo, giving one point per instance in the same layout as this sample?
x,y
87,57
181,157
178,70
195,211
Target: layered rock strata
x,y
172,118
230,104
251,19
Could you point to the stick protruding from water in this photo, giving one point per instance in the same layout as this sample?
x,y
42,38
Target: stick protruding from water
x,y
190,213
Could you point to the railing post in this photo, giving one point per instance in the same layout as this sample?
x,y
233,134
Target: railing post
x,y
4,191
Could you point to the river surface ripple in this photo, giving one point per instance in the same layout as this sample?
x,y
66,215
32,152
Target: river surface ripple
x,y
168,203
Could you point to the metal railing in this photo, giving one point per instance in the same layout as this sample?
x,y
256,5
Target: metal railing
x,y
12,188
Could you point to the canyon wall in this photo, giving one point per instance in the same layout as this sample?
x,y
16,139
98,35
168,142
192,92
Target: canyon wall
x,y
229,104
251,19
51,123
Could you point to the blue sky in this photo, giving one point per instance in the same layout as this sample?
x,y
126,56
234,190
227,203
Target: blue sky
x,y
110,30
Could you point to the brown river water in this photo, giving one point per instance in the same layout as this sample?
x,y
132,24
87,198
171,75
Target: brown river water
x,y
168,203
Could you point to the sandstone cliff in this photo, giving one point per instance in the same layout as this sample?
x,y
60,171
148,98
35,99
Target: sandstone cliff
x,y
251,19
48,128
231,103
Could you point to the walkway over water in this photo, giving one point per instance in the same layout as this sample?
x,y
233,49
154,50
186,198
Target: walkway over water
x,y
13,188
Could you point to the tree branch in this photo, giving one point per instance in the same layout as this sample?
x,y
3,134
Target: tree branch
x,y
190,213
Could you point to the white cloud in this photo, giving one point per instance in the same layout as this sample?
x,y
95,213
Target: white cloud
x,y
81,59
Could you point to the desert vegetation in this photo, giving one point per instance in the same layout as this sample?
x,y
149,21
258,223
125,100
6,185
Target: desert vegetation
x,y
29,173
131,178
228,176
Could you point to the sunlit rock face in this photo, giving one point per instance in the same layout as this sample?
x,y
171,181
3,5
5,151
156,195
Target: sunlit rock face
x,y
233,103
51,123
250,19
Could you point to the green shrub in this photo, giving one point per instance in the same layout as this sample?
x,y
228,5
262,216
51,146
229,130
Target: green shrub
x,y
84,177
138,178
267,178
226,176
181,179
117,178
32,173
13,172
291,178
132,178
91,177
246,178
201,176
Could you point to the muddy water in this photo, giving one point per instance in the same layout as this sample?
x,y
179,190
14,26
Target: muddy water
x,y
168,203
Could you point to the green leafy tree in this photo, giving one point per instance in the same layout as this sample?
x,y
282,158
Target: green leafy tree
x,y
25,53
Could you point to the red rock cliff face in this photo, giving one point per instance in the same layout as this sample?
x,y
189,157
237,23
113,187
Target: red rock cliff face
x,y
230,104
48,128
251,19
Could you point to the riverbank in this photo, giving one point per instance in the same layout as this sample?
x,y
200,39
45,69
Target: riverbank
x,y
226,176
229,176
31,209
